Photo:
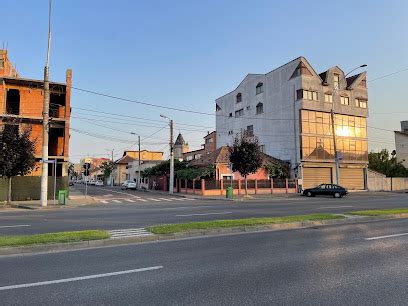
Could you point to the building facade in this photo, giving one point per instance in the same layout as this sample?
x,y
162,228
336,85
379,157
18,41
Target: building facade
x,y
401,143
289,110
21,104
180,147
209,146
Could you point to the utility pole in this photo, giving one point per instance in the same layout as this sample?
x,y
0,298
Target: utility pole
x,y
138,171
336,156
111,181
171,187
45,126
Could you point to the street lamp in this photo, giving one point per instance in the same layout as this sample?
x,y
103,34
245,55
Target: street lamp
x,y
171,183
138,171
336,155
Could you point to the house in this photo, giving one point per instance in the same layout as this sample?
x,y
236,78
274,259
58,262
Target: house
x,y
289,110
180,147
210,143
401,143
120,169
220,160
21,104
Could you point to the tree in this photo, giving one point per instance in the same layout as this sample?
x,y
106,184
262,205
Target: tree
x,y
107,167
386,164
192,173
16,154
277,170
164,168
245,156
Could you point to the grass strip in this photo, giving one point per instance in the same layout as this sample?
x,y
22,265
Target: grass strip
x,y
215,224
59,237
379,212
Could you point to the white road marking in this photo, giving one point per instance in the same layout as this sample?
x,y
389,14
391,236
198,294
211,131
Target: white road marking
x,y
164,199
388,236
333,207
75,279
130,232
153,199
140,199
130,201
104,201
207,214
178,199
7,226
114,191
116,201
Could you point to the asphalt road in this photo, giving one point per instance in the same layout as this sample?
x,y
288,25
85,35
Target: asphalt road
x,y
359,264
130,212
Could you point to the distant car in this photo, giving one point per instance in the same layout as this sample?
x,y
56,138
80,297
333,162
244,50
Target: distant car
x,y
99,183
326,189
71,183
92,182
129,185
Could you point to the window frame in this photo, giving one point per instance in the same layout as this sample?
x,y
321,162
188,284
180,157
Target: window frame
x,y
343,100
238,98
259,88
259,108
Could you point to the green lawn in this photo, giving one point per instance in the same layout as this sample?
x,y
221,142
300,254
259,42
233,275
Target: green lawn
x,y
379,212
183,227
60,237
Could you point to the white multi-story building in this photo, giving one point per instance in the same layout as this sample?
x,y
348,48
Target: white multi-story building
x,y
289,110
401,143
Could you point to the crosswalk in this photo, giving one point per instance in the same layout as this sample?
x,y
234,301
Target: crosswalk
x,y
141,200
129,232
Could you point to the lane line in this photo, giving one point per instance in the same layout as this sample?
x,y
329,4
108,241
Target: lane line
x,y
333,207
75,279
387,236
8,226
206,214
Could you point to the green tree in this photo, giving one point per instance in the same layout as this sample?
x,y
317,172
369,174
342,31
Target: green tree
x,y
277,170
16,154
245,156
386,163
192,173
164,168
107,168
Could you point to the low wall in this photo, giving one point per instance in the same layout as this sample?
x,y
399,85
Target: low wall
x,y
29,187
387,183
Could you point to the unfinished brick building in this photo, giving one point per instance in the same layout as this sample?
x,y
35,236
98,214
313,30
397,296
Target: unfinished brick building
x,y
21,103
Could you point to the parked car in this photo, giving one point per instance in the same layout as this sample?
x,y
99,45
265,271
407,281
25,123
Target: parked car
x,y
92,182
129,185
99,183
326,189
71,183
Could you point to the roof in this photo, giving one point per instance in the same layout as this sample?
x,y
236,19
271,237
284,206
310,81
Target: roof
x,y
180,140
28,81
221,156
124,160
401,133
209,134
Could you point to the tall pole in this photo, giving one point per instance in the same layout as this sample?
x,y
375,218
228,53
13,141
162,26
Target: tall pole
x,y
171,159
138,171
111,181
46,102
336,157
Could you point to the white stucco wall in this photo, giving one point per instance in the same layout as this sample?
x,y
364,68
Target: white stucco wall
x,y
401,146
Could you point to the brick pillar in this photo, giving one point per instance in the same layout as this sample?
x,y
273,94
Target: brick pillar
x,y
202,186
286,185
271,185
256,186
297,185
221,185
239,186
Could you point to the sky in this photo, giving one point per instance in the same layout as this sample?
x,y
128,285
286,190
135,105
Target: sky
x,y
185,54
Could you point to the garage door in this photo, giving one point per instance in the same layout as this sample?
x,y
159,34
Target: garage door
x,y
352,179
316,176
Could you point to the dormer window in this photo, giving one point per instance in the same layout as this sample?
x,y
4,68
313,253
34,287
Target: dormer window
x,y
238,98
259,88
336,81
344,100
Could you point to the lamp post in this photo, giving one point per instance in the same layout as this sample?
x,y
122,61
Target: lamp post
x,y
138,171
171,183
336,154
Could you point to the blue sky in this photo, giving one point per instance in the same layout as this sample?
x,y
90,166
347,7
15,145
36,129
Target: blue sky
x,y
185,54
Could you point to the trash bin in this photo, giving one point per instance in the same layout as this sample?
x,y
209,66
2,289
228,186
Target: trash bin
x,y
62,197
229,192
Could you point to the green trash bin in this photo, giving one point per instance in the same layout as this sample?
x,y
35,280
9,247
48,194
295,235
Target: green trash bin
x,y
229,192
62,197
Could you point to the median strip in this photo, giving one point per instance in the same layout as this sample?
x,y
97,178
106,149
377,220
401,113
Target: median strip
x,y
219,224
49,238
379,212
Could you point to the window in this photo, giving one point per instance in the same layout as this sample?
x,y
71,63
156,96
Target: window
x,y
197,156
1,63
259,88
262,148
239,97
250,130
217,108
230,114
328,98
307,95
210,140
230,132
248,107
344,100
336,81
189,157
362,103
239,113
259,108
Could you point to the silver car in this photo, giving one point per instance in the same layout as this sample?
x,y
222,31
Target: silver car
x,y
129,185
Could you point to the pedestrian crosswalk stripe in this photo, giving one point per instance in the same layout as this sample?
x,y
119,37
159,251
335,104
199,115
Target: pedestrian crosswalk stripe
x,y
164,199
143,200
129,200
130,232
116,201
104,202
153,199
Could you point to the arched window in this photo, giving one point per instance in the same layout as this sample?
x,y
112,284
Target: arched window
x,y
259,108
239,97
259,88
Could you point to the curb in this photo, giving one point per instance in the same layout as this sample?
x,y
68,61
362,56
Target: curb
x,y
57,247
